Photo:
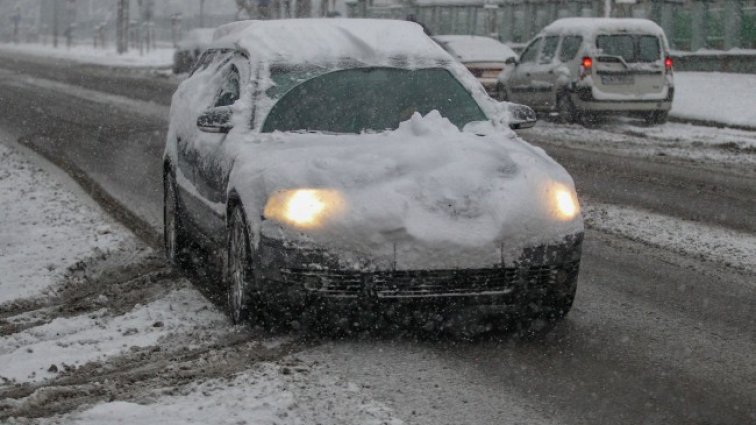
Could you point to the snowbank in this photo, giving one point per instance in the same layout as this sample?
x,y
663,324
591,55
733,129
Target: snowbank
x,y
44,229
73,341
267,394
699,240
158,58
724,98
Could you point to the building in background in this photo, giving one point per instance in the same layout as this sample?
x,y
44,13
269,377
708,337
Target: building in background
x,y
690,24
92,21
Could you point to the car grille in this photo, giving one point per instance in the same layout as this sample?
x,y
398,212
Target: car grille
x,y
430,283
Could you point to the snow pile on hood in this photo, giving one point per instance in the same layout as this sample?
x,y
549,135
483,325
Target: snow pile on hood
x,y
440,196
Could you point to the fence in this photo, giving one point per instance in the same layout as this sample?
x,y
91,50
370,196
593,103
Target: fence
x,y
689,24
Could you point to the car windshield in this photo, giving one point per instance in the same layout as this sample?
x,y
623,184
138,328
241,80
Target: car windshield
x,y
631,48
369,99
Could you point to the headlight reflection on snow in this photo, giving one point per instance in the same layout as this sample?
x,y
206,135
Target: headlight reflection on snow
x,y
304,208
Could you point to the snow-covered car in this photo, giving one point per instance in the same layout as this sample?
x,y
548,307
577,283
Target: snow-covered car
x,y
580,67
190,48
485,57
355,163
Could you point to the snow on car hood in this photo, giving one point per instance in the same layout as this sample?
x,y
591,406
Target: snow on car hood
x,y
434,195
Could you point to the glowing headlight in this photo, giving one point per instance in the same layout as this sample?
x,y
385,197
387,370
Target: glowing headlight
x,y
565,203
304,208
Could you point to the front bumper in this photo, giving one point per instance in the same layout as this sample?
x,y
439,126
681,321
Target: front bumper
x,y
307,275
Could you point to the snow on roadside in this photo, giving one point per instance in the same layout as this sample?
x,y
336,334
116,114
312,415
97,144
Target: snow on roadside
x,y
157,58
700,240
265,394
173,316
621,136
726,98
73,341
45,229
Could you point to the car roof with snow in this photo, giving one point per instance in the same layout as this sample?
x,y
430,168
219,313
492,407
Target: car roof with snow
x,y
369,41
475,48
590,27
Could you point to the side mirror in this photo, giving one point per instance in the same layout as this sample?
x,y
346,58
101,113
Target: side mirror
x,y
521,116
511,61
217,120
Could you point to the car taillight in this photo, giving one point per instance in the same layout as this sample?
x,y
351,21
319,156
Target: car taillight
x,y
587,63
668,63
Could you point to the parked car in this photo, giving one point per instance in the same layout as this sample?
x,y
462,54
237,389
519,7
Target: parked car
x,y
353,164
485,57
580,67
190,48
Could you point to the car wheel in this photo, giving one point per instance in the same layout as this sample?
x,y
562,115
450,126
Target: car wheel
x,y
566,109
239,272
656,117
501,93
175,240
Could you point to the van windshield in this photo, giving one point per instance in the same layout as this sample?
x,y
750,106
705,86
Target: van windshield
x,y
631,48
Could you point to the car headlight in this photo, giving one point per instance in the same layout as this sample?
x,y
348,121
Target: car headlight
x,y
304,208
565,203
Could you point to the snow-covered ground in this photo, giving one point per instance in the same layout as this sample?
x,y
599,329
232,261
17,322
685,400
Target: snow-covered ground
x,y
86,308
160,57
725,98
622,136
45,229
698,240
266,394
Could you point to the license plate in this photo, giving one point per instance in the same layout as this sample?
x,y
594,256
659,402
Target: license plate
x,y
617,80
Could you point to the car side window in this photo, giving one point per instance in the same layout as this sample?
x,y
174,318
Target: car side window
x,y
570,46
229,92
549,49
529,55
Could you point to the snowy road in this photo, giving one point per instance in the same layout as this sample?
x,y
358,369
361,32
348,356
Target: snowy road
x,y
660,334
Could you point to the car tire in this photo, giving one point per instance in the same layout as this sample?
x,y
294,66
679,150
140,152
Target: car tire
x,y
656,117
175,239
566,109
239,273
501,93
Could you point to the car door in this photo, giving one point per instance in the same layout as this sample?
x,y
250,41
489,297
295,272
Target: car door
x,y
191,99
543,75
519,85
214,164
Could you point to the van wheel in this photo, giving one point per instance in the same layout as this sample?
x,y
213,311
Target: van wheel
x,y
239,274
656,117
175,240
566,109
501,93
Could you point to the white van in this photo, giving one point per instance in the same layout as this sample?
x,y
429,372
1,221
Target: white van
x,y
580,67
